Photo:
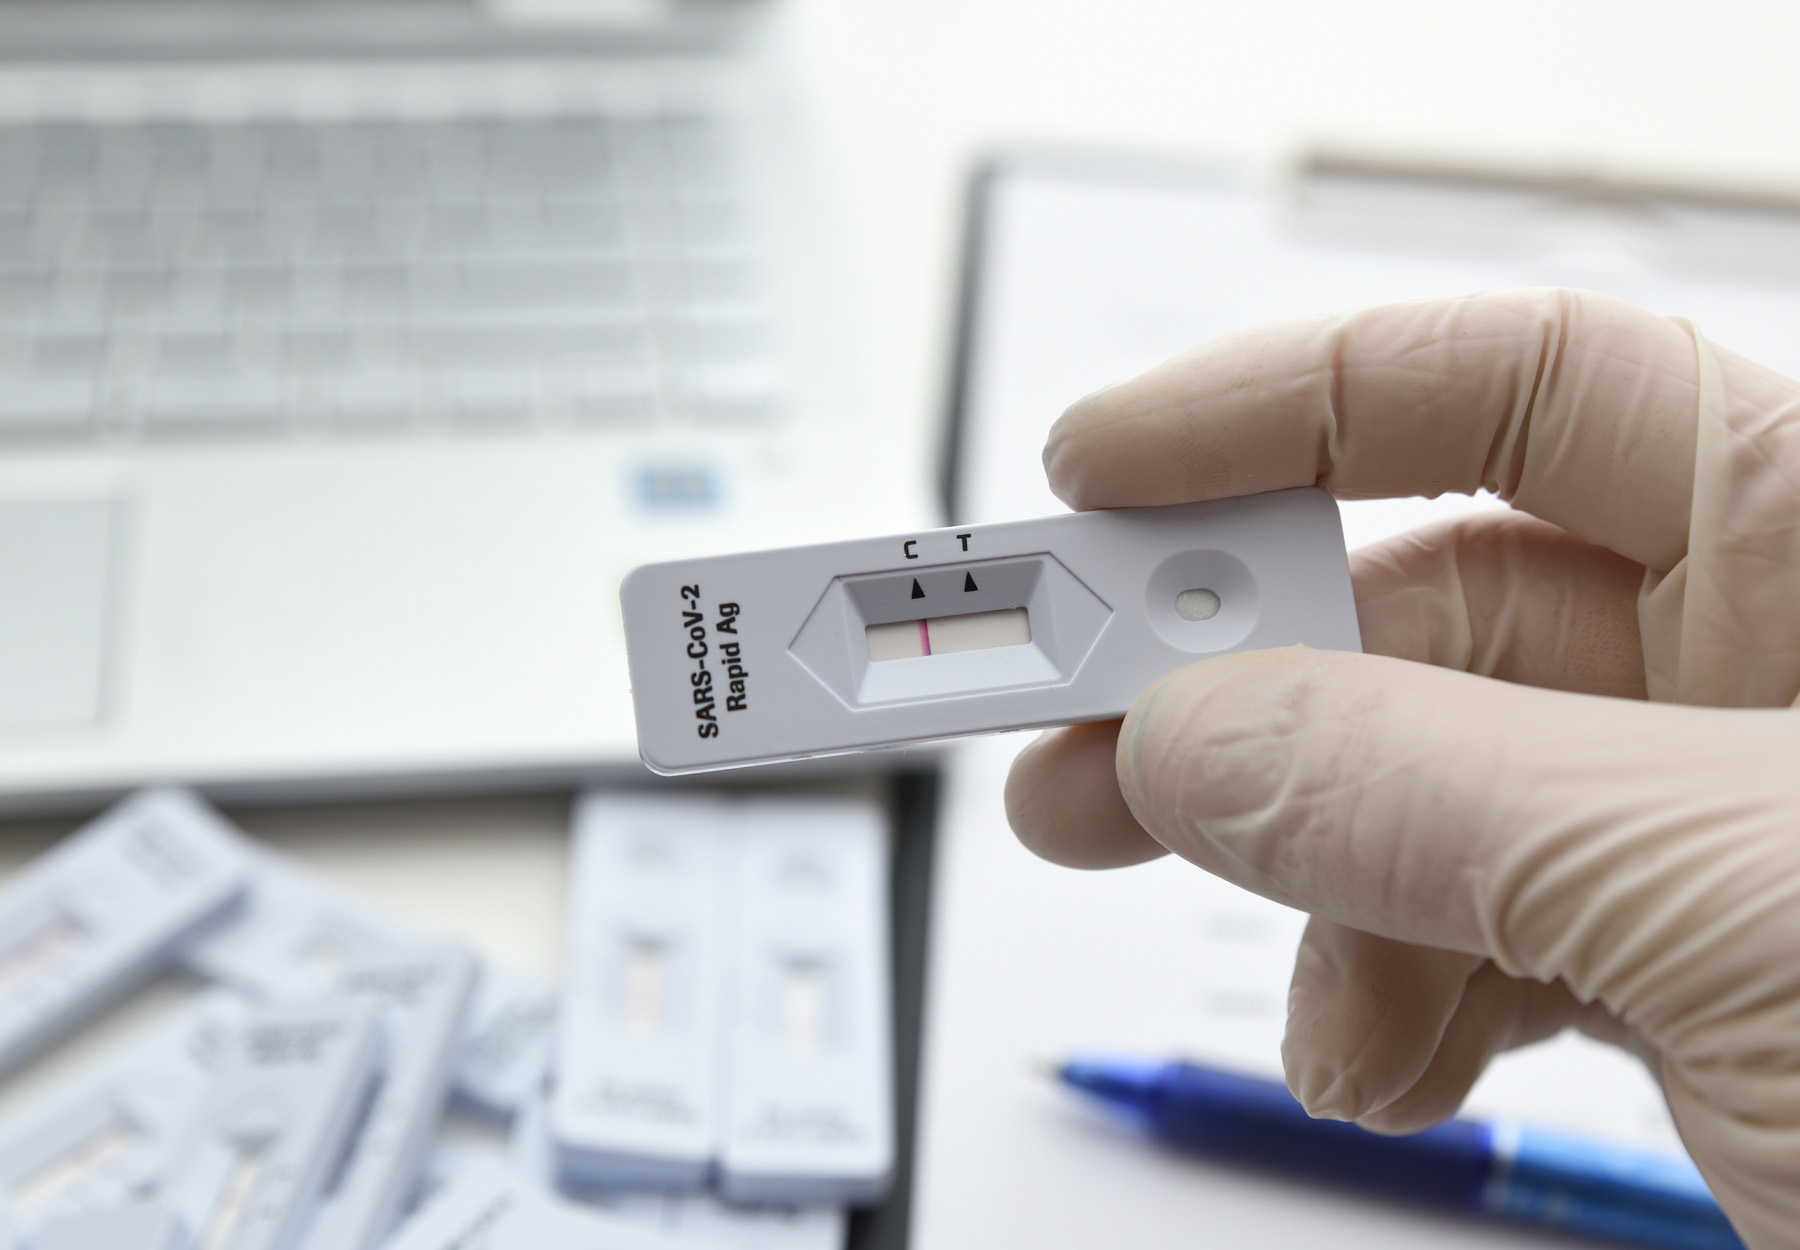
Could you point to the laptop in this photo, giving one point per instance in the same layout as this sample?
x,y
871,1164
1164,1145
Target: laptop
x,y
351,353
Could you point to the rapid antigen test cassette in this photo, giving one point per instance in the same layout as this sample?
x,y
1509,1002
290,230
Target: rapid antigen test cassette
x,y
849,646
423,999
106,909
637,1099
296,934
808,1064
274,1124
105,1138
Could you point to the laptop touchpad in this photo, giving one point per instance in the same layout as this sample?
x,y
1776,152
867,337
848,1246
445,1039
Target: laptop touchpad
x,y
55,571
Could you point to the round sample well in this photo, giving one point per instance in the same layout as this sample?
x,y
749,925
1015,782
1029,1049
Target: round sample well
x,y
1202,601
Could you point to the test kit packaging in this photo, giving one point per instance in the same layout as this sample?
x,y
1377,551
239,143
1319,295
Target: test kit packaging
x,y
274,1123
105,909
808,1052
636,1101
295,933
422,1000
851,646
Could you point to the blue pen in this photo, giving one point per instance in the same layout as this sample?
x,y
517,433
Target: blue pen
x,y
1498,1170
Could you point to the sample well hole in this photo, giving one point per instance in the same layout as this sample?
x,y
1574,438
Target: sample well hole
x,y
1198,604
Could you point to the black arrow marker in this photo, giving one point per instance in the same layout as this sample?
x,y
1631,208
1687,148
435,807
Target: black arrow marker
x,y
968,582
917,593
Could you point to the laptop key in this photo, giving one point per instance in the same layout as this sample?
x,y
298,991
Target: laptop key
x,y
377,289
315,349
24,293
517,341
140,294
545,286
47,407
18,164
121,172
241,404
21,245
240,236
80,299
730,336
452,230
370,401
258,289
196,353
720,278
603,392
68,352
734,393
129,238
64,174
507,398
179,152
353,233
711,222
572,224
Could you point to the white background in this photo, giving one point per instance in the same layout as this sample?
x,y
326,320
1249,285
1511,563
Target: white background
x,y
913,92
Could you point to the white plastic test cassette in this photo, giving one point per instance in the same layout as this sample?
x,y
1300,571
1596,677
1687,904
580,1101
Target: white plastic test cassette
x,y
105,909
727,1003
106,1136
690,1221
274,1124
488,1206
296,933
808,1054
423,999
126,1228
506,1046
636,1100
848,646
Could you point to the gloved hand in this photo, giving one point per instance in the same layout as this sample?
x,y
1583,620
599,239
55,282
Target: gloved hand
x,y
1496,835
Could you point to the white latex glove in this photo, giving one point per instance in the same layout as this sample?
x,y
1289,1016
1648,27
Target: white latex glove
x,y
1489,861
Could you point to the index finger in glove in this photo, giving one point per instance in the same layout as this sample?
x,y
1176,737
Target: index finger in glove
x,y
1576,407
1561,835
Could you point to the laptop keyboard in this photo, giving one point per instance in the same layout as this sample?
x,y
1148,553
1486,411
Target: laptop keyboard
x,y
183,279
